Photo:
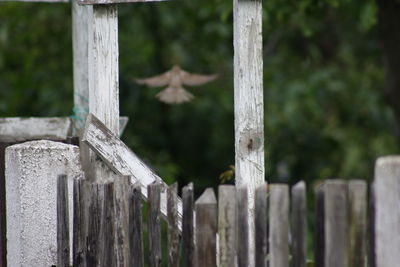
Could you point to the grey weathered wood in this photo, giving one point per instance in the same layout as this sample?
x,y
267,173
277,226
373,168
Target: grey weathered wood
x,y
21,129
261,226
37,1
357,222
102,2
173,231
122,249
122,160
80,210
248,101
135,226
103,65
62,222
227,225
80,45
242,226
154,227
336,223
299,225
188,226
106,250
372,228
279,225
387,211
206,229
319,232
92,246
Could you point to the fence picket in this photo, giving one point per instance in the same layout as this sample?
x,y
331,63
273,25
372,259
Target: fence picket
x,y
188,226
62,222
279,225
319,232
95,198
106,246
80,217
206,229
336,223
154,190
227,225
173,231
261,238
122,249
387,211
357,223
135,226
242,226
299,225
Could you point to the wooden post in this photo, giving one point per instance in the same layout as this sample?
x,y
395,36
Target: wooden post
x,y
227,225
188,227
93,235
80,219
121,190
62,222
106,244
206,229
279,225
336,223
319,232
249,109
299,225
80,45
387,211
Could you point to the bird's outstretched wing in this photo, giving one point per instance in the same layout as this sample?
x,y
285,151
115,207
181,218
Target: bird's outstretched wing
x,y
174,95
192,79
159,80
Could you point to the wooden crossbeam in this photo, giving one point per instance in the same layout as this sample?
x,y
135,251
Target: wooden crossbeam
x,y
15,129
117,156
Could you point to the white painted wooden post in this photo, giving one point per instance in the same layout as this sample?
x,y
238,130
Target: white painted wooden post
x,y
80,45
249,109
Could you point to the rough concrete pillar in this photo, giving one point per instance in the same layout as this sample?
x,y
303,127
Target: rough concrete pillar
x,y
31,198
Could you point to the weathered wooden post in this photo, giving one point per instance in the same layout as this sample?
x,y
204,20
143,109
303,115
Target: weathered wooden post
x,y
249,109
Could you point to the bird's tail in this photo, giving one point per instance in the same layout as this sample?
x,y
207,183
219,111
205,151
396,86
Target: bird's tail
x,y
172,95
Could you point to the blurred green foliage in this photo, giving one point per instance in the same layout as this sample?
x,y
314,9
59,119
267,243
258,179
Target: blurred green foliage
x,y
325,115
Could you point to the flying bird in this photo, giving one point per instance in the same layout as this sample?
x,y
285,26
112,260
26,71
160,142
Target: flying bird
x,y
175,78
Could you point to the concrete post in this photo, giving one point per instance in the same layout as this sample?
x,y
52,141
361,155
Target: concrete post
x,y
31,193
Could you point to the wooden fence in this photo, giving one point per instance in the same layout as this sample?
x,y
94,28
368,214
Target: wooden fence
x,y
347,230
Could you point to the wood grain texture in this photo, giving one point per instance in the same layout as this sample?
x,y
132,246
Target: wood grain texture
x,y
22,129
387,211
106,255
206,229
103,65
81,215
188,252
336,223
62,222
121,214
92,246
299,225
173,231
122,160
80,45
248,101
242,226
136,226
357,223
279,225
261,224
154,226
227,225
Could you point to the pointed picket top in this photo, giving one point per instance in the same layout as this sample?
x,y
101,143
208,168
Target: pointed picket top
x,y
208,197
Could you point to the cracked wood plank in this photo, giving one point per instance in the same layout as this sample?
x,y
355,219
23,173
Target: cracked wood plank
x,y
19,129
123,161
